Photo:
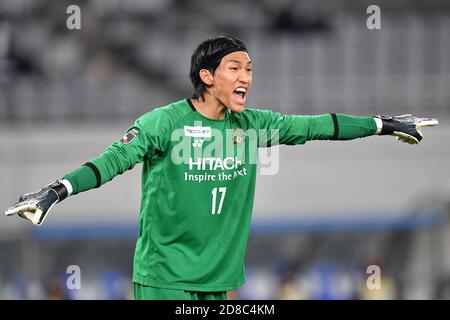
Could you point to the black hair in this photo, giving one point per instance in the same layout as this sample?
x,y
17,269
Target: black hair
x,y
208,55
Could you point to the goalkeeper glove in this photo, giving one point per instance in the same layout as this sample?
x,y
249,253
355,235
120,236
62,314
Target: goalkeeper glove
x,y
406,128
36,205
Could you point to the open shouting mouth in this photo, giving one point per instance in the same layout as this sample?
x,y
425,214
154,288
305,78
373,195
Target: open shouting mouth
x,y
239,94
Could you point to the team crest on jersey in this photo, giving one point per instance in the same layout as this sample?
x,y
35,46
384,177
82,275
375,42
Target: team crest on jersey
x,y
130,135
238,136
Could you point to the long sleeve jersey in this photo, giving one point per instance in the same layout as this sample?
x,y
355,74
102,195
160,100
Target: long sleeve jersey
x,y
198,186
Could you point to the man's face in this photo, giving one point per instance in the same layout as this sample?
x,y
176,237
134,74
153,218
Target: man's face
x,y
232,80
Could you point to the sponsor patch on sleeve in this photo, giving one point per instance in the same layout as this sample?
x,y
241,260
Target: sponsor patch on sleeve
x,y
130,136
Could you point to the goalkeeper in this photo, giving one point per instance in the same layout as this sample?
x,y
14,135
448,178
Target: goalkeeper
x,y
193,234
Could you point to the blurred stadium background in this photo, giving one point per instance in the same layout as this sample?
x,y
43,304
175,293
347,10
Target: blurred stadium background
x,y
333,209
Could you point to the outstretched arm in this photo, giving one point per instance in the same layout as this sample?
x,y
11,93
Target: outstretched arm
x,y
142,140
298,129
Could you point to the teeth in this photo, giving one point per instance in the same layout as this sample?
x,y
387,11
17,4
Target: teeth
x,y
243,90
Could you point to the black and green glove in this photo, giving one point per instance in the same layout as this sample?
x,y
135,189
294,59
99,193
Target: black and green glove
x,y
406,128
36,205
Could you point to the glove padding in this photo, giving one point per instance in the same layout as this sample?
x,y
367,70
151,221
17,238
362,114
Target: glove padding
x,y
36,205
406,128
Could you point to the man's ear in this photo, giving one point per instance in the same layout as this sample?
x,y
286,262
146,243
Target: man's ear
x,y
206,77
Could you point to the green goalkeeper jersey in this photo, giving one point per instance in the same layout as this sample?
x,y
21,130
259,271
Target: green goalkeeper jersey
x,y
198,185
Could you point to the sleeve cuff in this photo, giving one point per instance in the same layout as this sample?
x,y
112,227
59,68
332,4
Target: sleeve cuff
x,y
68,186
379,123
